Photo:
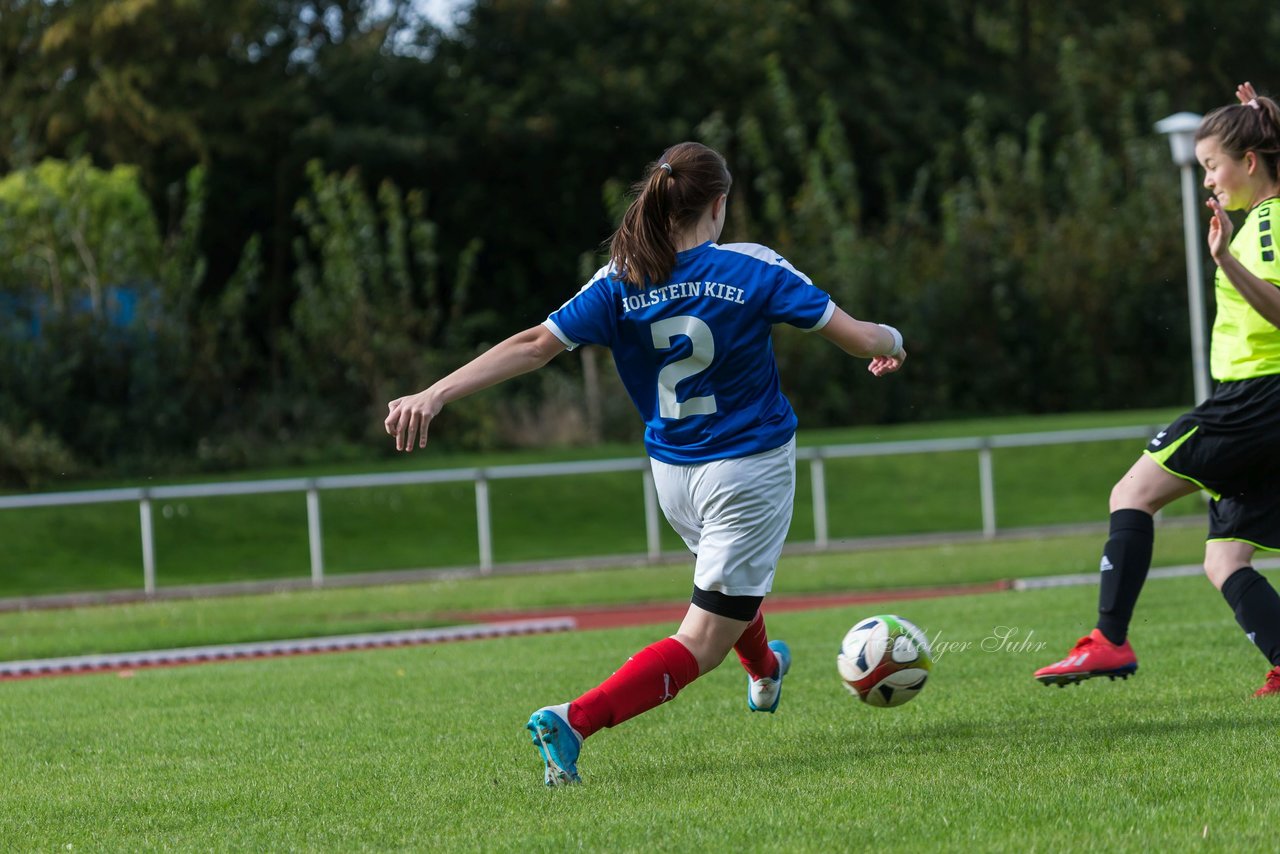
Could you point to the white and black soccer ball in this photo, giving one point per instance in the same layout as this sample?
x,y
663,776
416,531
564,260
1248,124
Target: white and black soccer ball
x,y
885,660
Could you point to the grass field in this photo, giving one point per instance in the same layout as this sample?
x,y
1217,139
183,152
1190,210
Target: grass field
x,y
210,540
422,749
176,623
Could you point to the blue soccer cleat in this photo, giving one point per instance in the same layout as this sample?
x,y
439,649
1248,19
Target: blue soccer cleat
x,y
558,744
763,695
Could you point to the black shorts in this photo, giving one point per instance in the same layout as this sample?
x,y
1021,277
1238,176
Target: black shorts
x,y
1229,446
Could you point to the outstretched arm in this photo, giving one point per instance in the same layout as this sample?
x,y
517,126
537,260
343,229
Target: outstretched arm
x,y
523,352
865,340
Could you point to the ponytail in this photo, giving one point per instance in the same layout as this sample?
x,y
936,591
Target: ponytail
x,y
1252,126
671,197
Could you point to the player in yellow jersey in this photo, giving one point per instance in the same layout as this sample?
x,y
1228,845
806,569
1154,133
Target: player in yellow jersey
x,y
1229,445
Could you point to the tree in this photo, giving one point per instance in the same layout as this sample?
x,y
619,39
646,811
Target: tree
x,y
108,353
71,228
374,315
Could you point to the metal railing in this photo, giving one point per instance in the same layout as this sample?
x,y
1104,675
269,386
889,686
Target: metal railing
x,y
482,476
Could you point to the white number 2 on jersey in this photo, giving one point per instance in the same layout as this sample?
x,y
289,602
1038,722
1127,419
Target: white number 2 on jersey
x,y
704,349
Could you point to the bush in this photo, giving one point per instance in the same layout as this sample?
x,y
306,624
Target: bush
x,y
30,459
373,318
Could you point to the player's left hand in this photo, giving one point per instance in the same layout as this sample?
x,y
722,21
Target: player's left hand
x,y
882,365
1220,229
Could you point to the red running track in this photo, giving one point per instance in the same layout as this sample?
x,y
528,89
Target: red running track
x,y
616,616
471,625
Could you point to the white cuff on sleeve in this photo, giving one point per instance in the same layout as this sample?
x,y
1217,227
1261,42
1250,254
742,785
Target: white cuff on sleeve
x,y
897,340
555,330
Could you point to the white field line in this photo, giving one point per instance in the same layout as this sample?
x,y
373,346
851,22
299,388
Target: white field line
x,y
80,664
1085,578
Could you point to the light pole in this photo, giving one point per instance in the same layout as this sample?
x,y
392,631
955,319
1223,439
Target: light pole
x,y
1181,130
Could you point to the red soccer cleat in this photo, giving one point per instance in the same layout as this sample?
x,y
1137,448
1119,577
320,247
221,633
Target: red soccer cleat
x,y
1271,686
1094,655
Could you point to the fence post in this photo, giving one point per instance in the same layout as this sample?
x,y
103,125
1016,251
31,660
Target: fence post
x,y
987,487
148,545
652,532
315,535
484,529
818,483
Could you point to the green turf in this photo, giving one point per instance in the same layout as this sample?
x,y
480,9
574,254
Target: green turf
x,y
177,623
422,749
97,547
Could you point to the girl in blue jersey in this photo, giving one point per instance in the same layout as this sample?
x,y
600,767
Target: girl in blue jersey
x,y
1229,445
688,321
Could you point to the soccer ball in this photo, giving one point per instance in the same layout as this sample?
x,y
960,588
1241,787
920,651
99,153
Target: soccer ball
x,y
884,660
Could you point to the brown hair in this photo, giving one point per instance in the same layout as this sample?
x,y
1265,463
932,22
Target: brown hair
x,y
671,197
1246,127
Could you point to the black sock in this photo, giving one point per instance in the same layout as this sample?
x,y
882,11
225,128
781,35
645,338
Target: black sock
x,y
1125,562
1257,609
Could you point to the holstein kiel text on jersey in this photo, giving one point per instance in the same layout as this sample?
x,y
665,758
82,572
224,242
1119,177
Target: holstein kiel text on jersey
x,y
680,290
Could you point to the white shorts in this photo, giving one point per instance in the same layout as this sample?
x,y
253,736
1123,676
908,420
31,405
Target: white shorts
x,y
733,514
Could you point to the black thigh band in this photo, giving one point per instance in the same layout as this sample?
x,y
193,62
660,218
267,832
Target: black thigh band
x,y
734,607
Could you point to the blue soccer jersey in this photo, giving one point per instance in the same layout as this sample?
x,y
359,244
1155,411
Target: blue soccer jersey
x,y
695,352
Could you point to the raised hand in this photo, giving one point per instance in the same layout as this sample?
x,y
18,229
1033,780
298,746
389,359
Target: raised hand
x,y
1220,228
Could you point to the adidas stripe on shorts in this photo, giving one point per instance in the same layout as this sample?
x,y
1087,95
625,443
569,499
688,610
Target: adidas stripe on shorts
x,y
1229,446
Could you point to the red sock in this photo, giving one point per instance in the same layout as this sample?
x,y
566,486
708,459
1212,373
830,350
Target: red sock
x,y
753,650
649,678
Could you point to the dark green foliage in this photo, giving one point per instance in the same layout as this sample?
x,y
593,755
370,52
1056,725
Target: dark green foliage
x,y
32,459
983,175
372,315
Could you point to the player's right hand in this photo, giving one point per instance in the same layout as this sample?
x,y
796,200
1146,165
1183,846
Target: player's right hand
x,y
408,418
